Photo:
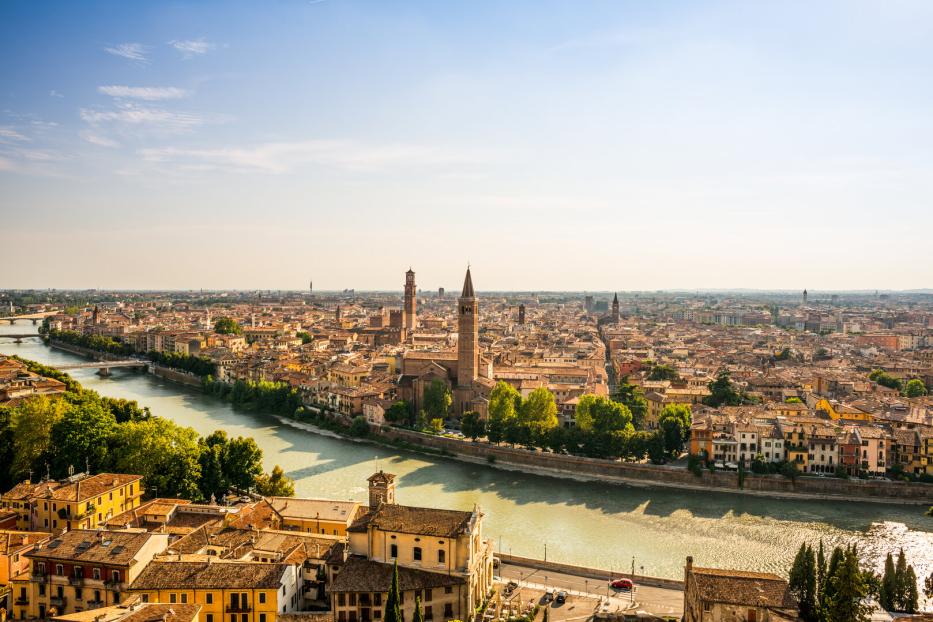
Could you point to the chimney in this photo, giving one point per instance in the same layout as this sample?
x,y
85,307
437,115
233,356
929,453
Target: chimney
x,y
688,570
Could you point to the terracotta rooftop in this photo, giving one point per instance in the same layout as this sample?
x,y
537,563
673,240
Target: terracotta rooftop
x,y
739,587
421,521
166,575
362,575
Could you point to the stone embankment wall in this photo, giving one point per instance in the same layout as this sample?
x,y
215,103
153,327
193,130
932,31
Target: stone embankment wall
x,y
86,352
668,476
587,573
175,376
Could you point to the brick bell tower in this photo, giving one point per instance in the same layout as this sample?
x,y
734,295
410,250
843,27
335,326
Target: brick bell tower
x,y
467,343
410,301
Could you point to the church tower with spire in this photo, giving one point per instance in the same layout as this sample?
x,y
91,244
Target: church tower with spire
x,y
410,301
467,339
615,307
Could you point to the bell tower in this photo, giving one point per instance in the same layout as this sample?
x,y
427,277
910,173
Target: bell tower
x,y
381,489
410,301
468,335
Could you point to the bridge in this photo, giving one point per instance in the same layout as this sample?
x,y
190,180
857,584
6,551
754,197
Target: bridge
x,y
35,317
103,367
19,337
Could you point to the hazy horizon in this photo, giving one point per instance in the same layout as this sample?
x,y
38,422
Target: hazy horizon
x,y
558,146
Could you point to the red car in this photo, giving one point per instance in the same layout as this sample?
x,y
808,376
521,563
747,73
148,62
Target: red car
x,y
622,584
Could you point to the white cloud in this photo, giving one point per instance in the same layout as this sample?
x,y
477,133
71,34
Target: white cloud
x,y
148,93
131,51
9,135
6,165
54,93
134,115
283,157
97,139
192,47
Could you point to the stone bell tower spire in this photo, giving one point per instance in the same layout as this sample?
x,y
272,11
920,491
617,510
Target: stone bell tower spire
x,y
468,335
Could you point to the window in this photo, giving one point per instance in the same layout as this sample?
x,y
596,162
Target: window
x,y
184,599
173,598
209,598
393,550
448,590
79,572
752,615
145,598
341,616
96,573
353,600
262,598
262,617
341,599
78,594
210,617
244,617
707,606
417,553
116,576
427,595
448,611
429,613
58,569
42,589
441,556
377,599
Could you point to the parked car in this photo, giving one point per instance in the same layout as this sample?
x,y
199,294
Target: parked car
x,y
622,584
510,587
561,597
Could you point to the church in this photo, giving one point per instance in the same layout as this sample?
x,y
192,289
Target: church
x,y
464,370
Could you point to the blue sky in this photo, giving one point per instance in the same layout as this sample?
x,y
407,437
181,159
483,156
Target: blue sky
x,y
554,145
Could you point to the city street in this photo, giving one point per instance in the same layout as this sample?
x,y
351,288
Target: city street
x,y
586,593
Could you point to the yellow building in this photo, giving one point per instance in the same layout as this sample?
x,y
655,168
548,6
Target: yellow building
x,y
79,502
320,516
82,569
227,591
841,411
13,561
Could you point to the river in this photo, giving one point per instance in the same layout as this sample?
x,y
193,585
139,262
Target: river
x,y
592,524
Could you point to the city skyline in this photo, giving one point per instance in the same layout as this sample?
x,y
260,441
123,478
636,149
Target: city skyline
x,y
556,146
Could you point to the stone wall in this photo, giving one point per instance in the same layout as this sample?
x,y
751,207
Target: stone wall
x,y
176,376
598,574
668,476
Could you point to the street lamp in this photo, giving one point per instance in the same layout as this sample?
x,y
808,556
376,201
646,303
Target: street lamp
x,y
631,592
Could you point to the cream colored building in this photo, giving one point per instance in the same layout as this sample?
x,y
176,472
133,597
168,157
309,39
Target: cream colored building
x,y
441,555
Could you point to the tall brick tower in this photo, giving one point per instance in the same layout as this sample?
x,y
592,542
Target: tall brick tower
x,y
521,313
468,337
615,307
410,302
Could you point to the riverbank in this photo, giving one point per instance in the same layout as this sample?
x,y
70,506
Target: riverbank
x,y
598,470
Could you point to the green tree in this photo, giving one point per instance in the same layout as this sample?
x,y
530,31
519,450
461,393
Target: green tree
x,y
472,425
632,398
663,372
802,582
227,326
82,437
437,399
790,470
393,610
419,612
305,336
820,568
399,412
164,453
436,425
538,414
504,400
928,586
887,593
723,391
915,388
213,480
242,460
846,603
885,379
657,454
359,427
32,422
911,597
674,423
275,484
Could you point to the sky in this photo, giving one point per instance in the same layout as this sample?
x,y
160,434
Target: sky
x,y
552,145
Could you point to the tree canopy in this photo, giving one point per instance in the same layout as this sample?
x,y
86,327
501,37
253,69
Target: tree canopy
x,y
227,326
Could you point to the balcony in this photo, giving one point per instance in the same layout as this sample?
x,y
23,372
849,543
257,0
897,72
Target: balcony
x,y
21,600
238,609
58,601
40,577
94,604
77,581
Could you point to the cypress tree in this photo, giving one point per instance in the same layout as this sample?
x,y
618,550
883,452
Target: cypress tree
x,y
900,583
393,612
888,592
802,583
820,569
419,613
846,591
911,596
